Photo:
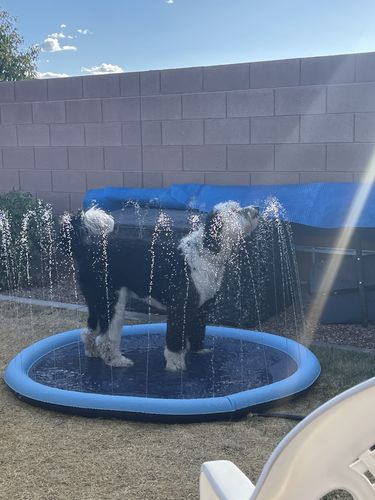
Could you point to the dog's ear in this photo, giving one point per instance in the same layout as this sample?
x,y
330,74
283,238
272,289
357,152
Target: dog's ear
x,y
212,232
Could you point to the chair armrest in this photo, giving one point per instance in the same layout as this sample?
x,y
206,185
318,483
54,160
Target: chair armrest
x,y
222,480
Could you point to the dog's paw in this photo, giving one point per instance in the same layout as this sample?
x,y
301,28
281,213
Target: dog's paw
x,y
91,353
175,361
121,362
110,353
88,338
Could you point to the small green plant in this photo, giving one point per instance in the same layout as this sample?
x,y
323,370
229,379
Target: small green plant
x,y
24,220
16,204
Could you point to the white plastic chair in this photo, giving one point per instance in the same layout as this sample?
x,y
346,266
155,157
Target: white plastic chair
x,y
333,448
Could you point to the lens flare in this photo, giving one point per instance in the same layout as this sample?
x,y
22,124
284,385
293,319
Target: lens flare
x,y
334,262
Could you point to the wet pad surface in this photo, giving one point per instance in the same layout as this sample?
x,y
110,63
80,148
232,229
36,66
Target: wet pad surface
x,y
232,366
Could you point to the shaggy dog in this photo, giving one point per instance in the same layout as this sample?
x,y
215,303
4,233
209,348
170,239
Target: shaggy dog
x,y
183,276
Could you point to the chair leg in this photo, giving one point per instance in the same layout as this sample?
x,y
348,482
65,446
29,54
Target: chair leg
x,y
222,480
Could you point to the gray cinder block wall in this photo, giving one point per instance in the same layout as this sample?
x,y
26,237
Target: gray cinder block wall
x,y
288,121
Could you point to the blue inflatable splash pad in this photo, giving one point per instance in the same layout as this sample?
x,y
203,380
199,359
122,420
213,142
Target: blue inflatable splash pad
x,y
244,371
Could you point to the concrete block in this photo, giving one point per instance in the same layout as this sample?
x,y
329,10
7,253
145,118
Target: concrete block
x,y
8,135
300,100
249,158
49,112
131,133
177,132
162,158
64,88
76,200
183,178
181,81
16,113
67,135
132,179
349,157
18,158
121,109
85,110
266,178
103,179
330,69
365,127
107,134
250,103
150,82
31,90
65,181
300,157
33,135
152,179
101,85
35,180
7,92
161,107
52,158
126,158
227,131
351,98
365,71
206,105
151,133
278,129
60,201
129,84
226,77
205,158
284,73
308,177
327,128
9,179
86,158
228,178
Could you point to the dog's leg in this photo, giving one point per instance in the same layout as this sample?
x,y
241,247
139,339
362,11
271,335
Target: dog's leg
x,y
89,334
196,331
195,334
175,349
108,344
88,338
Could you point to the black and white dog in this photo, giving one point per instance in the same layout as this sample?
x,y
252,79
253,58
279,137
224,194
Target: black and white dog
x,y
185,277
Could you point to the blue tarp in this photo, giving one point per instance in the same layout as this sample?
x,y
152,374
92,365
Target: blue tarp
x,y
318,205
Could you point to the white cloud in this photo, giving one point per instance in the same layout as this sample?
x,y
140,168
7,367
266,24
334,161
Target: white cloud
x,y
62,25
51,74
169,1
103,69
84,31
52,44
71,37
56,35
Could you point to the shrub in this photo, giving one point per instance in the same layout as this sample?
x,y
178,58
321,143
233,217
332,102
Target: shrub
x,y
26,228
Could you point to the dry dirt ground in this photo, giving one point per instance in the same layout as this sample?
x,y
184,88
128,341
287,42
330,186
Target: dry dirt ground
x,y
50,456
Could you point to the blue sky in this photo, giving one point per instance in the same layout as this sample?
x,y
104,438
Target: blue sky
x,y
133,35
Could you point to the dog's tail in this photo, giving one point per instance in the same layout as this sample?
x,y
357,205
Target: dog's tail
x,y
85,229
97,222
